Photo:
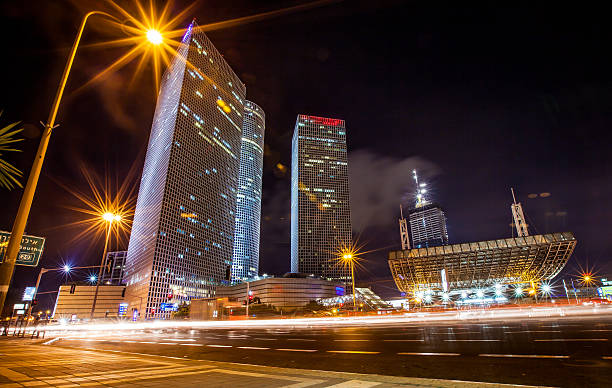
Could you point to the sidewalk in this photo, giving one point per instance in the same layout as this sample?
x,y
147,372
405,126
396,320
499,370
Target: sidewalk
x,y
27,363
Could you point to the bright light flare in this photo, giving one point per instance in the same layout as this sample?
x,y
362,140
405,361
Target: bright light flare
x,y
154,36
67,268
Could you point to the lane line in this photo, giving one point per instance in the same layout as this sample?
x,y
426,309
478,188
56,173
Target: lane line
x,y
571,340
191,344
351,352
300,339
355,384
252,348
404,340
167,343
604,330
607,357
146,342
352,340
532,331
472,340
297,350
266,339
522,355
219,346
427,354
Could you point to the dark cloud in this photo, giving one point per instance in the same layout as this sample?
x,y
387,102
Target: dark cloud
x,y
378,185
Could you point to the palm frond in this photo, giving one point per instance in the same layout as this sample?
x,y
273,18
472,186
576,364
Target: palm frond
x,y
9,174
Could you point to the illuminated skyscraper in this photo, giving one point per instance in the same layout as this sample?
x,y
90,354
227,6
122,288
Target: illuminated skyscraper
x,y
428,226
248,208
320,213
183,232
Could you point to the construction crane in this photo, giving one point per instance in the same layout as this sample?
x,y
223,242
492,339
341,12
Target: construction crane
x,y
519,217
403,225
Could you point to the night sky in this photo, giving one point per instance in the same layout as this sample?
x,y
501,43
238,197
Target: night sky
x,y
479,98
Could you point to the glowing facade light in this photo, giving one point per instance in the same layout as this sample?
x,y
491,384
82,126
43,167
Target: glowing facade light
x,y
518,291
93,278
480,293
428,298
154,37
464,295
445,297
67,268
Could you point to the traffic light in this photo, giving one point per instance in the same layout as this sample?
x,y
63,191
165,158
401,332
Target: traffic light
x,y
34,302
72,288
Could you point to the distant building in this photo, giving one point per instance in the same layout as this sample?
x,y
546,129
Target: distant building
x,y
75,302
428,226
320,212
114,269
182,237
285,292
245,264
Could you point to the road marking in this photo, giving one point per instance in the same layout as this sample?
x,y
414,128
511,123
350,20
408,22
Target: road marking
x,y
192,344
532,331
252,348
297,350
51,341
522,355
458,333
351,352
266,339
167,343
146,342
607,357
428,354
352,340
220,346
356,384
571,340
180,339
300,339
404,340
604,330
472,340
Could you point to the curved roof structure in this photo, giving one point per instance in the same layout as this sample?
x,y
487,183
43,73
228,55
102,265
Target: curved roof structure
x,y
483,263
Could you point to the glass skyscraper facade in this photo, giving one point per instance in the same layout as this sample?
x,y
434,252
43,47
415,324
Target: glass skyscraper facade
x,y
320,212
428,226
245,263
182,237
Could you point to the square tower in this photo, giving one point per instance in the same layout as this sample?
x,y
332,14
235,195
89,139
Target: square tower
x,y
320,210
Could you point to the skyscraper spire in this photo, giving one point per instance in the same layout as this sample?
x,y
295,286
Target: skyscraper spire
x,y
420,191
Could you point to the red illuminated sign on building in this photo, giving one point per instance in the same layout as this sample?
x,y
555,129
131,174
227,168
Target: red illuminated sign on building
x,y
321,120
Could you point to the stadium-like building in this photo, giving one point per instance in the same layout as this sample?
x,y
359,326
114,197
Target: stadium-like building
x,y
478,265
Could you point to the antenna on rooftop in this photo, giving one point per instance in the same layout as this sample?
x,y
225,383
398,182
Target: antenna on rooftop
x,y
519,217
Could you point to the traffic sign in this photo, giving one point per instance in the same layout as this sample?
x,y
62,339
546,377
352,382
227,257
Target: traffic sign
x,y
30,251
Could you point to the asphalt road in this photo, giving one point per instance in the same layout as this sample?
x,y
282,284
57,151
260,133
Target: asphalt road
x,y
558,351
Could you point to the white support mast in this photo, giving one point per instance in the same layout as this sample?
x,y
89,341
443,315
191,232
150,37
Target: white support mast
x,y
404,230
420,193
519,217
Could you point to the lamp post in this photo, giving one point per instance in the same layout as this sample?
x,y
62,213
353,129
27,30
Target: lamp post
x,y
351,260
8,266
109,218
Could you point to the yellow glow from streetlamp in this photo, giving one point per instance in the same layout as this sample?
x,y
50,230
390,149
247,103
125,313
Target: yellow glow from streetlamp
x,y
108,216
348,256
117,217
154,37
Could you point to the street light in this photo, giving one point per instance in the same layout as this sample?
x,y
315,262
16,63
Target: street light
x,y
154,37
8,266
109,217
349,258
